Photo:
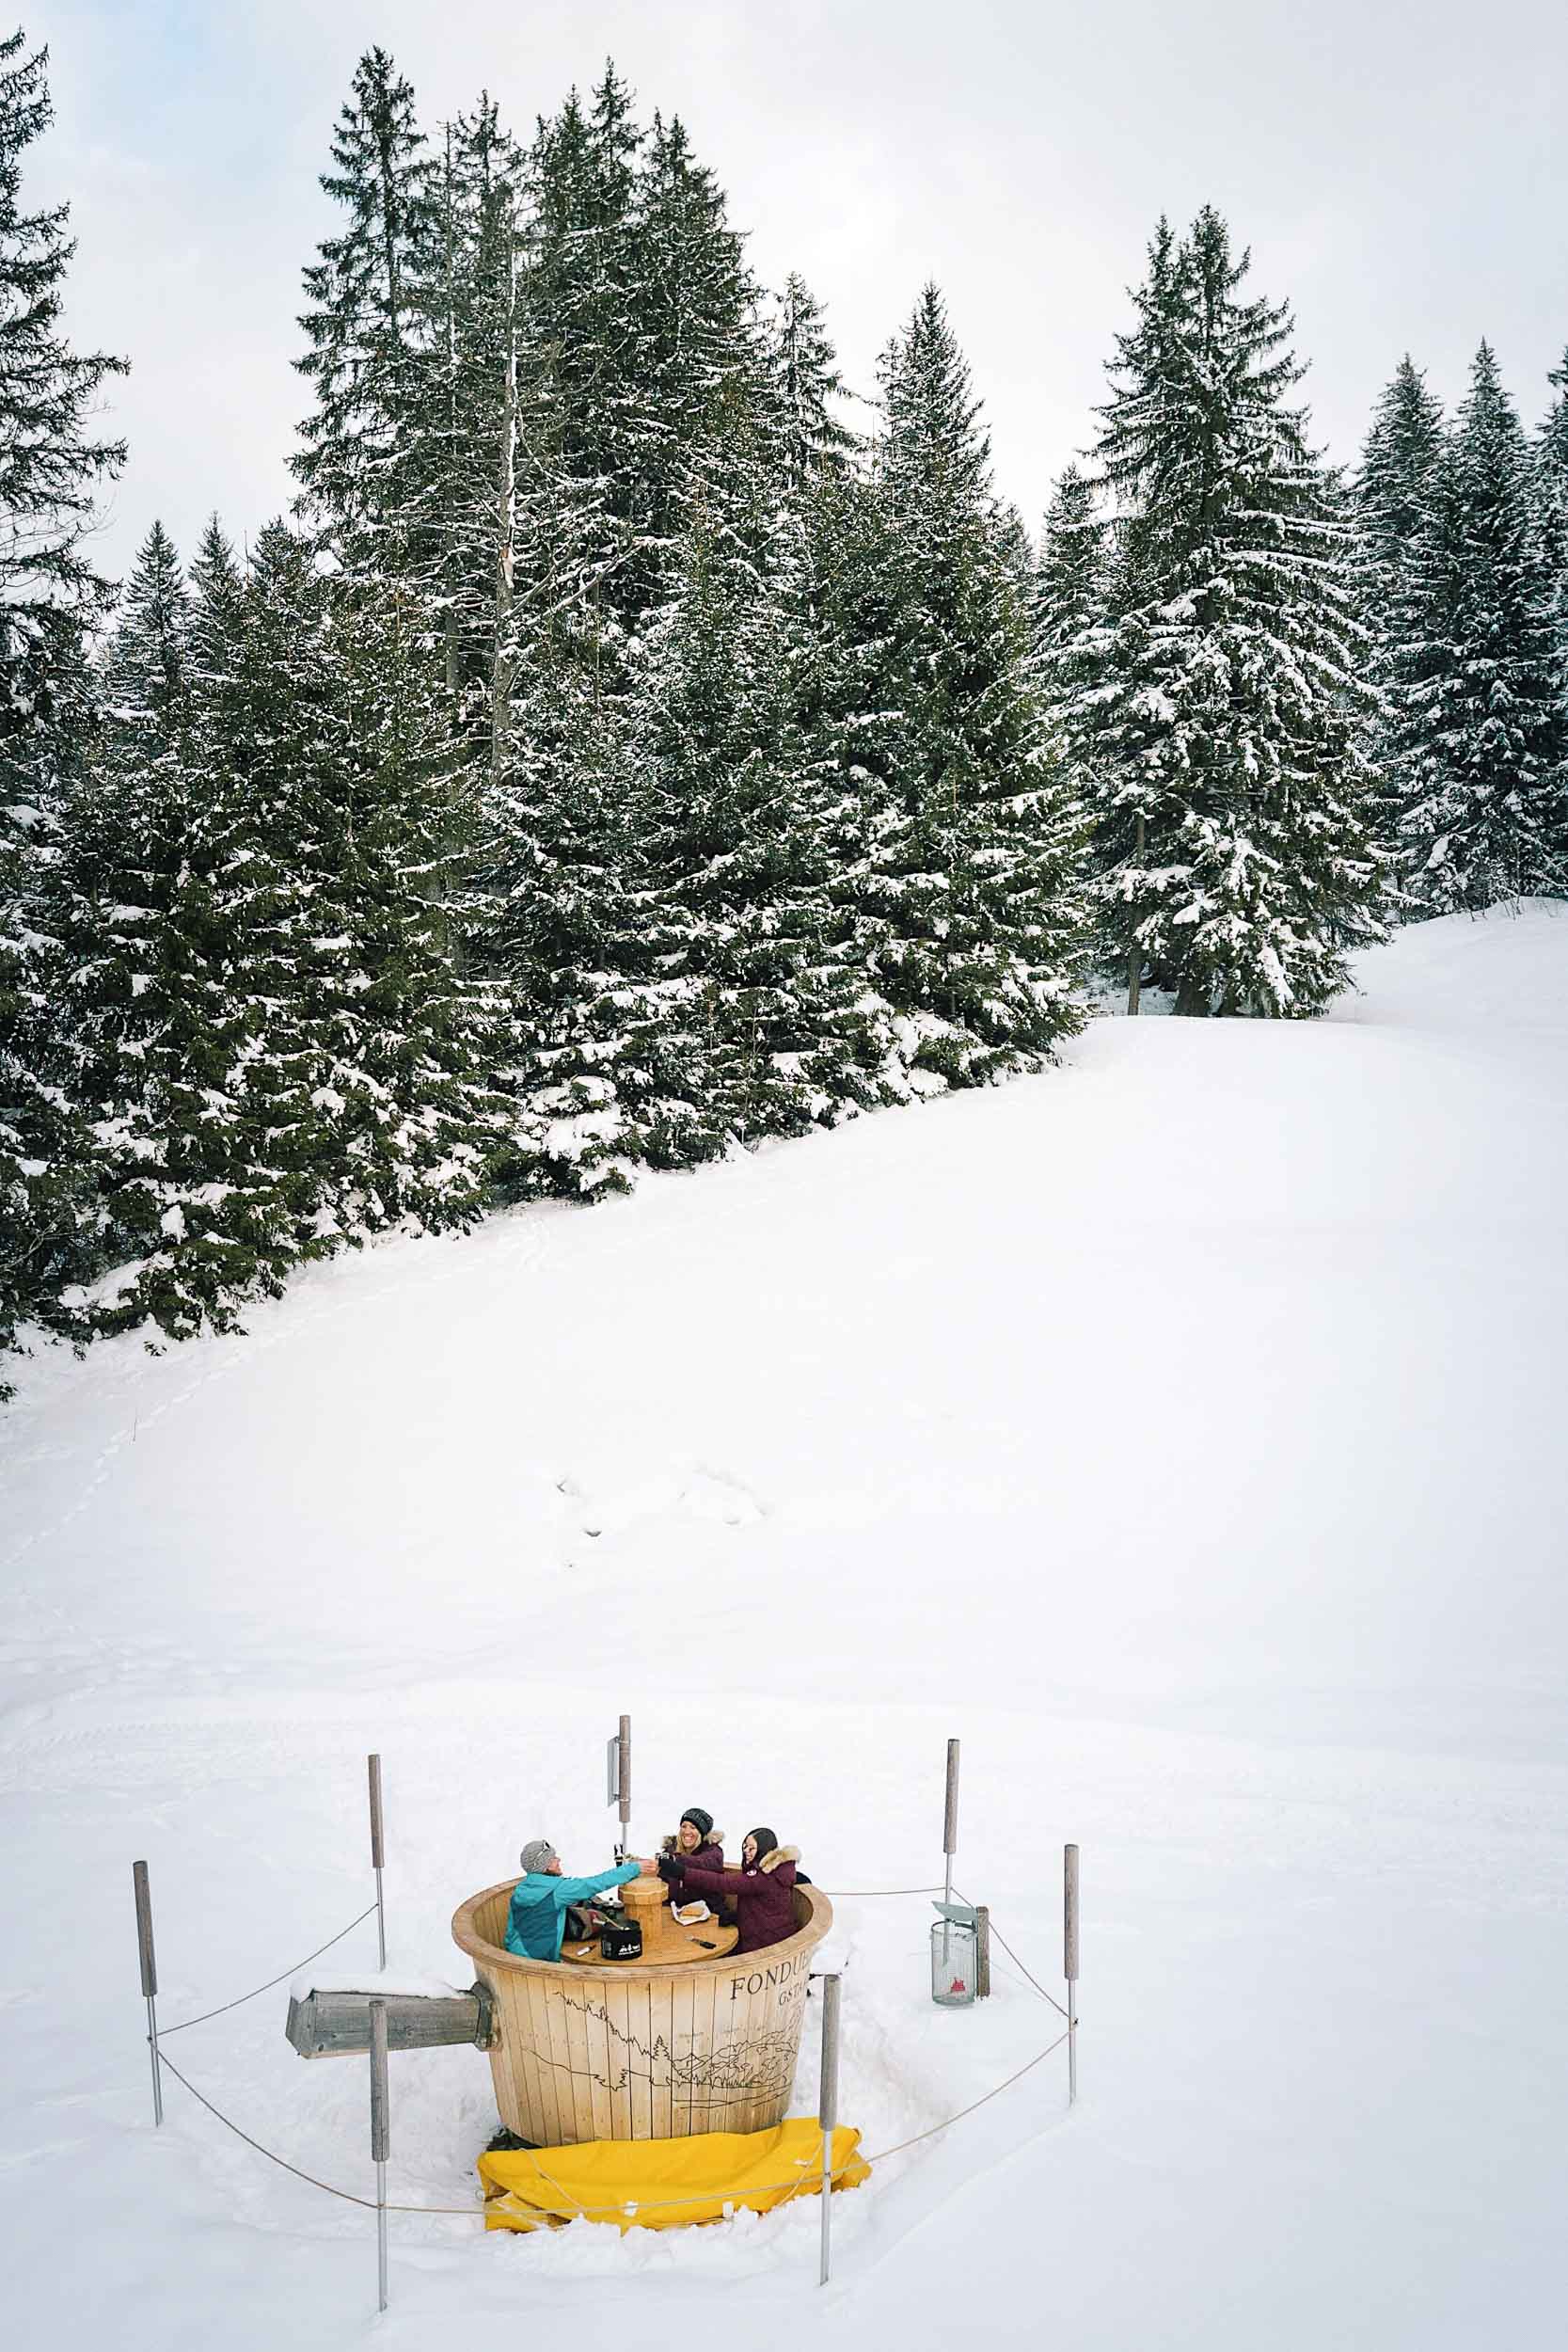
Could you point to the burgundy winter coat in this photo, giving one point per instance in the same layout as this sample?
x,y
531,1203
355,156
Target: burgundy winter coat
x,y
761,1901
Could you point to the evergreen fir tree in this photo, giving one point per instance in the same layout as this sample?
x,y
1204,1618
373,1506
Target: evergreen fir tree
x,y
1552,473
183,1016
1213,707
364,455
702,365
741,830
958,889
1070,579
1477,730
582,413
363,1080
466,424
807,386
51,469
124,856
1393,484
568,935
1392,498
1552,450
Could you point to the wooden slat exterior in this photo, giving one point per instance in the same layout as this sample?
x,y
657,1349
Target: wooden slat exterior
x,y
626,2052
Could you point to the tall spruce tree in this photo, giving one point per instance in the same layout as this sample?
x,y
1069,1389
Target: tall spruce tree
x,y
365,454
1552,457
702,362
742,826
1393,483
126,847
1552,449
370,1096
1070,579
1393,491
808,389
52,466
463,495
1212,708
957,883
1476,734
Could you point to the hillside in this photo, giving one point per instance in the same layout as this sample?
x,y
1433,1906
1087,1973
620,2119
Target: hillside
x,y
1181,1428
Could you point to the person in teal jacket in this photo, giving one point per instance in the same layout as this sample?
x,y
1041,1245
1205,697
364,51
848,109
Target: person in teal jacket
x,y
537,1919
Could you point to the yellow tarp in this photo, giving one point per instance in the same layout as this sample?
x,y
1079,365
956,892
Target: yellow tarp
x,y
664,2184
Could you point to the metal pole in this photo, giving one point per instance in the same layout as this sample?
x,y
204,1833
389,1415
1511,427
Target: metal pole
x,y
950,1816
377,1855
949,1844
623,1789
148,1977
381,2139
982,1953
827,2110
1070,1962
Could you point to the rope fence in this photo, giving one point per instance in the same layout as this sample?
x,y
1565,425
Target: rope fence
x,y
973,1919
281,1978
587,2213
471,2213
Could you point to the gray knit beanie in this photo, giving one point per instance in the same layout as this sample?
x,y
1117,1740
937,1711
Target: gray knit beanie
x,y
538,1854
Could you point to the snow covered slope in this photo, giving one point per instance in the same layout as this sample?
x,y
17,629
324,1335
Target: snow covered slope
x,y
1182,1429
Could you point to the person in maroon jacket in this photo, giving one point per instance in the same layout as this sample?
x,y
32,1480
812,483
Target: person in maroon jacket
x,y
760,1896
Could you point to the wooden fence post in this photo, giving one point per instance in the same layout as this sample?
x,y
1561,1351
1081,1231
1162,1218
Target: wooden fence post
x,y
381,2138
982,1952
827,2110
148,1977
378,1853
950,1817
623,1783
1070,1962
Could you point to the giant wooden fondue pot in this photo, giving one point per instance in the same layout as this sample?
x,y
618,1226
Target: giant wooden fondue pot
x,y
650,2049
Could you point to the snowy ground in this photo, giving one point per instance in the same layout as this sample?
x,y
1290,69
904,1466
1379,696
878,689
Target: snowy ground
x,y
1182,1429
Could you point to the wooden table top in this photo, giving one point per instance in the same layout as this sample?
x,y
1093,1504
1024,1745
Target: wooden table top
x,y
665,1944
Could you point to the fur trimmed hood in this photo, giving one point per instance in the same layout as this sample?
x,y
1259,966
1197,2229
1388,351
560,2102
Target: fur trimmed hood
x,y
780,1854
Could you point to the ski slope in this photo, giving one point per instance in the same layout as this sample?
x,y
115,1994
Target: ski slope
x,y
1182,1429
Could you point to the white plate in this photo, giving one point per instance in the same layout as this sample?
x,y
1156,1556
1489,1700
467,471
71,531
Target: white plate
x,y
690,1914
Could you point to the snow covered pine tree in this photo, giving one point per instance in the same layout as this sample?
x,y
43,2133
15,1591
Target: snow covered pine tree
x,y
51,468
1477,737
1212,706
957,888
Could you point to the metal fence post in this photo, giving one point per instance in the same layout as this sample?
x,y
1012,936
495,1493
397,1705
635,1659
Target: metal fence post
x,y
1070,1962
826,2111
148,1977
950,1818
378,1853
381,2138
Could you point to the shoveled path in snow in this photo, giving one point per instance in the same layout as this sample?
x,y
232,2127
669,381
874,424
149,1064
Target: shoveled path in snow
x,y
1183,1428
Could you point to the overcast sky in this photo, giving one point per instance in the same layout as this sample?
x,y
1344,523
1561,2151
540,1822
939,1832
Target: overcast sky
x,y
1400,168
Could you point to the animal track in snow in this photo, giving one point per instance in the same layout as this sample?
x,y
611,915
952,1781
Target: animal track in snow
x,y
690,1493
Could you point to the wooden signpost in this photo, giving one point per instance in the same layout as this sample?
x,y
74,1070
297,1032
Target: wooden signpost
x,y
378,1853
1070,1962
149,1976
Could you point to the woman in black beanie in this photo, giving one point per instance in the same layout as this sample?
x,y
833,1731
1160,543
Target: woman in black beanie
x,y
697,1841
